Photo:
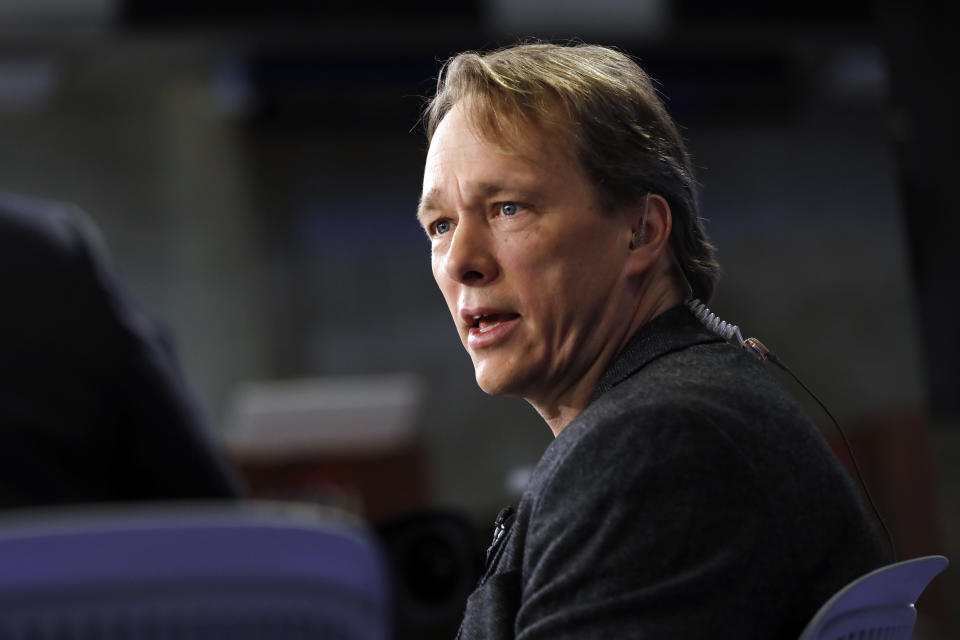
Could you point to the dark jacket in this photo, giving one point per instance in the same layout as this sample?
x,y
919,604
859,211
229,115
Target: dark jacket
x,y
93,405
692,498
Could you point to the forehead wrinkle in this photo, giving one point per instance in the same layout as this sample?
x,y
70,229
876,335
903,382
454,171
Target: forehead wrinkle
x,y
483,189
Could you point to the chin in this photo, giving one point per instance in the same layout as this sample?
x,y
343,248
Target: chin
x,y
487,380
489,387
497,383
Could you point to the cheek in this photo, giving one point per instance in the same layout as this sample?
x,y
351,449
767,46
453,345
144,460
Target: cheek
x,y
550,270
448,290
564,291
436,271
530,258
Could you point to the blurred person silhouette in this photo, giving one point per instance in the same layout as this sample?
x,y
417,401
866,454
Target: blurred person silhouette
x,y
93,405
685,494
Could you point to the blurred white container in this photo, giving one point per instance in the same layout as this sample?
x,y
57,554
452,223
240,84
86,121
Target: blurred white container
x,y
330,415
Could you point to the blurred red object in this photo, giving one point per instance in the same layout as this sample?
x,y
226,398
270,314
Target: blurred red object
x,y
348,442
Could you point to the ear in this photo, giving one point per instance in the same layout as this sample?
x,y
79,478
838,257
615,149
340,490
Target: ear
x,y
650,224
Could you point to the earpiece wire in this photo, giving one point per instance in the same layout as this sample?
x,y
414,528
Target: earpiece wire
x,y
731,331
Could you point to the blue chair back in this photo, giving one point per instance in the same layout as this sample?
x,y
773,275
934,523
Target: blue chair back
x,y
877,606
225,573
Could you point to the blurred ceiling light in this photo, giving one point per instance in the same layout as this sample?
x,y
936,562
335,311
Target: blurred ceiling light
x,y
27,85
233,92
594,20
857,75
54,8
24,18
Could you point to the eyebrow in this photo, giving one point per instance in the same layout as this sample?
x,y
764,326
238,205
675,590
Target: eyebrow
x,y
427,202
431,199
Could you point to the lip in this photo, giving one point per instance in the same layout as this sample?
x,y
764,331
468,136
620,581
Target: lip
x,y
481,339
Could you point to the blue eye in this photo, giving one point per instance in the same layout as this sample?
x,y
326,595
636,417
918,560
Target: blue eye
x,y
509,208
440,227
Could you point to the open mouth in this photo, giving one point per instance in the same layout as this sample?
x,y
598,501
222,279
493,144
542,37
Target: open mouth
x,y
484,323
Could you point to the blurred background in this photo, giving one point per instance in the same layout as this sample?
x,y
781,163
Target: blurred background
x,y
255,168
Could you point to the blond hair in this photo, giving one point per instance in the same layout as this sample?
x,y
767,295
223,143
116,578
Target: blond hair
x,y
610,118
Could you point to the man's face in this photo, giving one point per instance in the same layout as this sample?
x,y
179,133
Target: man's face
x,y
530,266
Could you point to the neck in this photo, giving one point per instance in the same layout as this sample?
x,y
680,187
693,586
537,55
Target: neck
x,y
655,295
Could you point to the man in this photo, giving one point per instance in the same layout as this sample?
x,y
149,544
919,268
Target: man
x,y
685,495
93,405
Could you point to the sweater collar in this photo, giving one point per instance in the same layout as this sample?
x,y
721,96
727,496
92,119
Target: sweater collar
x,y
673,330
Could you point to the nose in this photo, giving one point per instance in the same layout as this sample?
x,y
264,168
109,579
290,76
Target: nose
x,y
468,258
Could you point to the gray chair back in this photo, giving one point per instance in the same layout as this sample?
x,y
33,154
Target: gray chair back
x,y
877,606
199,573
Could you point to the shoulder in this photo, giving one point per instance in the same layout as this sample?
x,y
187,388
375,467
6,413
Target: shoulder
x,y
697,440
56,268
58,226
667,440
637,501
712,393
685,407
625,454
48,242
678,495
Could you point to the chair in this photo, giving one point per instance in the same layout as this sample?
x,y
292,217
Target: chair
x,y
877,606
226,572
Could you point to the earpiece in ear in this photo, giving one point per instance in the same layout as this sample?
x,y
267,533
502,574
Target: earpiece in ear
x,y
640,237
